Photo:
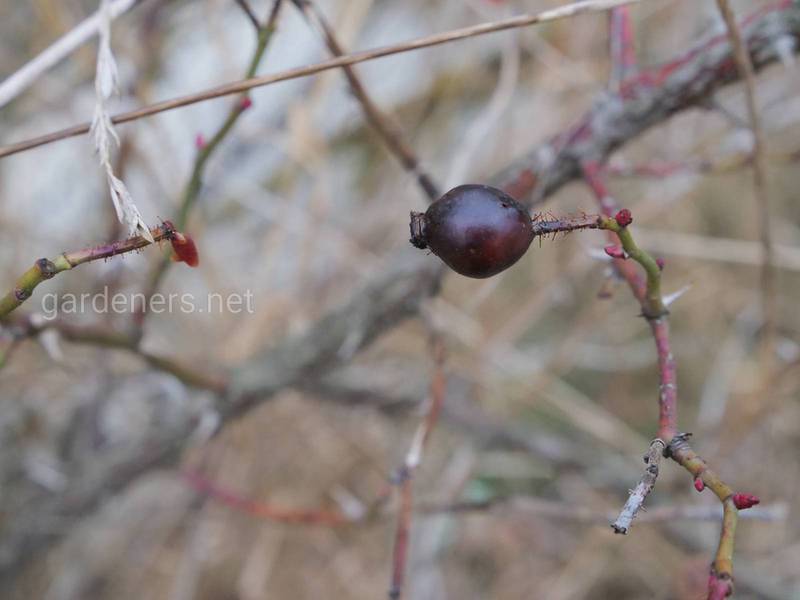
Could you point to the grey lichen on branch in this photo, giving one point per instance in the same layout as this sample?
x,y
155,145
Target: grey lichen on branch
x,y
638,495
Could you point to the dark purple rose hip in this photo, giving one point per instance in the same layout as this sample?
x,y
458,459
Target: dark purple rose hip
x,y
476,230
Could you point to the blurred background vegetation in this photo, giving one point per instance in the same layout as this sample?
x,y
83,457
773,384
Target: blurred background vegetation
x,y
552,382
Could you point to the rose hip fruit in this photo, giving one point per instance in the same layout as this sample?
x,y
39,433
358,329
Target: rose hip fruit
x,y
476,230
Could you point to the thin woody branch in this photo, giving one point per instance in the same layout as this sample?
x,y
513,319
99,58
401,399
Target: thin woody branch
x,y
191,376
593,177
712,166
562,12
745,66
248,11
649,97
500,505
100,337
720,583
653,307
206,149
406,473
648,293
44,268
559,511
638,495
297,516
389,132
622,49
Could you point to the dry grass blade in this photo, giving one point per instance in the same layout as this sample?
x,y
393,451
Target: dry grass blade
x,y
745,66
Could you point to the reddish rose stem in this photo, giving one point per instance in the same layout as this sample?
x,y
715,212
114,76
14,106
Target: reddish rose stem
x,y
405,475
401,537
720,583
668,381
622,47
263,510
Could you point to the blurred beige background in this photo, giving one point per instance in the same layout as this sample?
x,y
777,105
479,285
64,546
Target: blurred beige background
x,y
551,390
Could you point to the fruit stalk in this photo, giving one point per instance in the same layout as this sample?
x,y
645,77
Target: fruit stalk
x,y
542,227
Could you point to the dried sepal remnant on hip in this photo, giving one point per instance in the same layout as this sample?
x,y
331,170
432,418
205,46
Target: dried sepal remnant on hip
x,y
183,246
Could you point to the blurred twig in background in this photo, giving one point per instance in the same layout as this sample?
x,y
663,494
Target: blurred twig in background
x,y
14,85
388,131
205,149
413,459
622,47
745,66
563,12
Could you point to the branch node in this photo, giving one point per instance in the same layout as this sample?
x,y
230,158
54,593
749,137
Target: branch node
x,y
46,268
679,442
22,294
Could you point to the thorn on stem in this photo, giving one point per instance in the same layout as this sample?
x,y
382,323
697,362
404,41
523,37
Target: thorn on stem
x,y
699,485
245,103
615,251
200,141
660,262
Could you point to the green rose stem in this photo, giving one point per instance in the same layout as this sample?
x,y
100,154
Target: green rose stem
x,y
45,268
206,149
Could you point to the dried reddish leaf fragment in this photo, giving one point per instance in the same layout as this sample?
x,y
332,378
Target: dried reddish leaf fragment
x,y
183,246
184,250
